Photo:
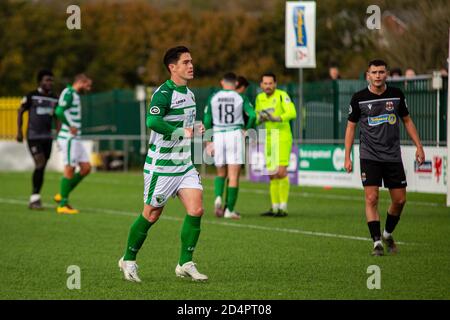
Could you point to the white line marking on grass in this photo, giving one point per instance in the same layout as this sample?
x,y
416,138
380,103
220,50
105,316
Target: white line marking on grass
x,y
227,224
265,192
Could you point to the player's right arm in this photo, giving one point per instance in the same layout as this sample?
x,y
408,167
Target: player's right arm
x,y
207,118
24,106
159,106
64,103
353,117
248,109
260,116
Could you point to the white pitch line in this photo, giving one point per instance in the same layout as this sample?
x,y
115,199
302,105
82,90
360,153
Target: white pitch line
x,y
227,224
261,191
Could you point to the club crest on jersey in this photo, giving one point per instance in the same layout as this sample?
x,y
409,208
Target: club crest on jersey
x,y
154,110
389,106
160,198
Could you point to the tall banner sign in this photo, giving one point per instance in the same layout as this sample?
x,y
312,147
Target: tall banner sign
x,y
300,34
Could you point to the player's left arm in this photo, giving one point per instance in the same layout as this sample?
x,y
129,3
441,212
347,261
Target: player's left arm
x,y
411,129
207,117
64,103
248,109
414,135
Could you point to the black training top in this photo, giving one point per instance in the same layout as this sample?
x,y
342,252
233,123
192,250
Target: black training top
x,y
40,107
379,117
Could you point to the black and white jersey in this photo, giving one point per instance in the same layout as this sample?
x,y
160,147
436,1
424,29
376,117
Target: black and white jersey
x,y
40,107
379,117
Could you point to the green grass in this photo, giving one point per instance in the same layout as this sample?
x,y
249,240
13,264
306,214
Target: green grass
x,y
254,258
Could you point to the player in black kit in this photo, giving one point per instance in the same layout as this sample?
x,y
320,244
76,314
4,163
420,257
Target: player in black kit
x,y
40,105
379,109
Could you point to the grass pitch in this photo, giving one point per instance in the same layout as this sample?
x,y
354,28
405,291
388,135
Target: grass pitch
x,y
320,251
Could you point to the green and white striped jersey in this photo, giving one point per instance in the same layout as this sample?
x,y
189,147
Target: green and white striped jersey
x,y
226,110
172,108
70,102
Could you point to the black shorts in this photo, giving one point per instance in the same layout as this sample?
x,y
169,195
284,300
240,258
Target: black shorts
x,y
391,173
43,146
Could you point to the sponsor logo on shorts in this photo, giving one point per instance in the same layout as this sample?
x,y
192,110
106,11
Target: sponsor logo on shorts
x,y
154,110
160,198
363,177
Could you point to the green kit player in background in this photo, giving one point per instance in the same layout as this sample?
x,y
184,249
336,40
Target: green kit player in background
x,y
275,109
225,113
73,153
168,169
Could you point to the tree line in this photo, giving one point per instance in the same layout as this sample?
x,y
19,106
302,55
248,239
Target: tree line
x,y
121,43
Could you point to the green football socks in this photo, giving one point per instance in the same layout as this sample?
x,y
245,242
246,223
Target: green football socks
x,y
64,191
232,194
77,177
136,237
67,185
219,185
190,231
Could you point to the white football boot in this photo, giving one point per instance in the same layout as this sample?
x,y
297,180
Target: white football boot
x,y
231,214
129,269
218,207
189,270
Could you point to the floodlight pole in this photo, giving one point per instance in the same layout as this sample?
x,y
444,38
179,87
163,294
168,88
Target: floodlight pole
x,y
300,119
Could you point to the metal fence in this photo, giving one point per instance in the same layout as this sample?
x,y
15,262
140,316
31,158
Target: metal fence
x,y
114,119
326,109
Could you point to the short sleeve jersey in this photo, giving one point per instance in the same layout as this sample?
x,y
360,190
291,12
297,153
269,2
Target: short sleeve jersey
x,y
379,117
227,109
171,154
71,102
41,108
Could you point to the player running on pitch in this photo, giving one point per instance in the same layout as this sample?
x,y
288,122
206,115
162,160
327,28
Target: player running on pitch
x,y
168,169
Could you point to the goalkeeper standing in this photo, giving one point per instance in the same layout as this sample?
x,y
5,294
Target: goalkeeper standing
x,y
275,109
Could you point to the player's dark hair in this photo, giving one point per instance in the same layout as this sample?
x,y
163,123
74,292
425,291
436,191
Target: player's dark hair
x,y
42,73
229,77
242,82
377,63
173,55
269,74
